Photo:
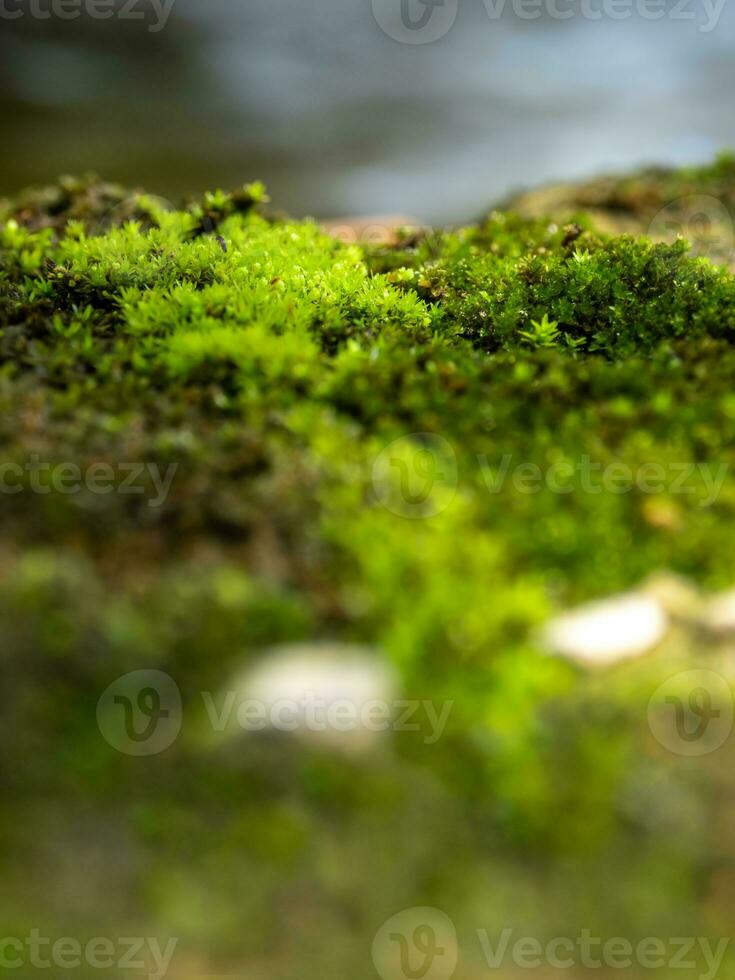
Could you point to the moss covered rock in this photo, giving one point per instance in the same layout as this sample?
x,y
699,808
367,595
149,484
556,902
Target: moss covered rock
x,y
224,431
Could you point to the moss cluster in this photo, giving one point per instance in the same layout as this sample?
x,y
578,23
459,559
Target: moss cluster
x,y
631,202
274,368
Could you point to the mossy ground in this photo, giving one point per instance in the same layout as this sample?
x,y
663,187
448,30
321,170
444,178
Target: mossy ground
x,y
272,366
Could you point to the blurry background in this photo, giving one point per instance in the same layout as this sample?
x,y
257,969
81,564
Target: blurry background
x,y
312,97
549,805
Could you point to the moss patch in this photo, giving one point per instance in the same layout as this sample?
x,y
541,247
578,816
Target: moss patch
x,y
401,446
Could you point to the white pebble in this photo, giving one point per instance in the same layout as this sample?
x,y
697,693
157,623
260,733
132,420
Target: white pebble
x,y
332,693
604,632
720,613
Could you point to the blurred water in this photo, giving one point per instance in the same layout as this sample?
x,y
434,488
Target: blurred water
x,y
336,116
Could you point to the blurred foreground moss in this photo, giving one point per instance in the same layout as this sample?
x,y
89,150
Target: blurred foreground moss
x,y
291,385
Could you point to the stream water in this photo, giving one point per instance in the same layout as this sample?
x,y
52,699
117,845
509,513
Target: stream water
x,y
337,116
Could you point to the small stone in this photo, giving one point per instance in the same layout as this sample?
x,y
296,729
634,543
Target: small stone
x,y
719,614
372,230
604,632
339,694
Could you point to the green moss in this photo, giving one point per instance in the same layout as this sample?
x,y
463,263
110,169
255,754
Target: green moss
x,y
275,368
